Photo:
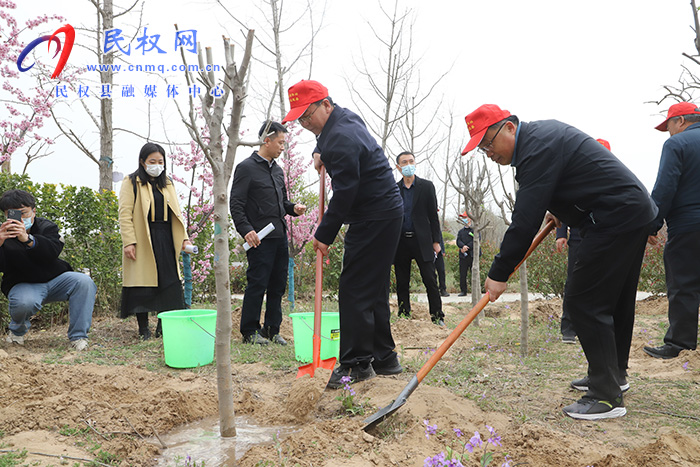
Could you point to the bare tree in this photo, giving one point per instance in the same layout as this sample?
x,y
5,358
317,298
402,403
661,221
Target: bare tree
x,y
104,125
470,177
506,205
398,84
214,102
688,81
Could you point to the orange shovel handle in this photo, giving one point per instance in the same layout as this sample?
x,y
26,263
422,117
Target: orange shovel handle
x,y
480,305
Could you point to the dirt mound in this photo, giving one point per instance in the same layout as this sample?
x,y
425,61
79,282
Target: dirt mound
x,y
50,396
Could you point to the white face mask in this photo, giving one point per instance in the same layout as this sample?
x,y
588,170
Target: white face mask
x,y
154,170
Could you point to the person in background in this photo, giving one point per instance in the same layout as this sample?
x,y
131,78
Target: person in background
x,y
677,194
465,244
258,198
153,233
567,176
440,268
33,274
568,238
366,197
420,238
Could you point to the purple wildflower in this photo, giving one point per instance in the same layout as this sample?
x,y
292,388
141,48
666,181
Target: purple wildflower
x,y
436,461
458,432
685,366
507,462
345,379
476,440
429,429
495,439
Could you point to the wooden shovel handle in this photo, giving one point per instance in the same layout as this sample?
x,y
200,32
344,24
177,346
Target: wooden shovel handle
x,y
480,305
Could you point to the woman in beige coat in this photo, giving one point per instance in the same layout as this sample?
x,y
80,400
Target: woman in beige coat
x,y
153,234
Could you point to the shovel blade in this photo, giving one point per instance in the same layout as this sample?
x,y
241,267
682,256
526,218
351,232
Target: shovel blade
x,y
395,405
310,368
374,420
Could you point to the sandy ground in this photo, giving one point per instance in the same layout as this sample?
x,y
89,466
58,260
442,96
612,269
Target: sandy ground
x,y
125,407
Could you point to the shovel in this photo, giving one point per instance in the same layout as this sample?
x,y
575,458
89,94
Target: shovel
x,y
373,420
316,362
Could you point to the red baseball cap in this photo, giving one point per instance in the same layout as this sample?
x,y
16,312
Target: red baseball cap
x,y
604,143
302,95
676,110
480,120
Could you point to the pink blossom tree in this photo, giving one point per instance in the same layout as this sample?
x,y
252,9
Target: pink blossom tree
x,y
300,229
27,96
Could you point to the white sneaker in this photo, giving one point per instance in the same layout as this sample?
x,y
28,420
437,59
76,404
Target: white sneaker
x,y
80,344
13,339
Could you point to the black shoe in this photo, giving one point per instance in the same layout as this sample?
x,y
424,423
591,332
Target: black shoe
x,y
665,351
391,368
255,339
144,333
462,294
443,293
582,384
277,339
440,322
357,373
588,408
569,339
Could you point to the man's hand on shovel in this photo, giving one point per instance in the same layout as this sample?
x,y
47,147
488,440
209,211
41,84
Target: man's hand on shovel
x,y
322,247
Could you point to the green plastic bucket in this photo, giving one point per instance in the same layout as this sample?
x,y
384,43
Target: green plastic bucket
x,y
188,337
303,327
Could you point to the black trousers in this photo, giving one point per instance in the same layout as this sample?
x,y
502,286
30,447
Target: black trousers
x,y
567,326
601,299
407,251
440,268
267,271
681,256
465,265
363,295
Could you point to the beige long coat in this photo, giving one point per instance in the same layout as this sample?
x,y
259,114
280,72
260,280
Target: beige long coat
x,y
133,223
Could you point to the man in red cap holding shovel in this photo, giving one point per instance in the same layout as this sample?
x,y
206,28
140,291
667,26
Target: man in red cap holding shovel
x,y
677,195
365,196
564,174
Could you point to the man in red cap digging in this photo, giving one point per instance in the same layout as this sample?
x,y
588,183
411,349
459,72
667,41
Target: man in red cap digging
x,y
366,197
677,195
564,174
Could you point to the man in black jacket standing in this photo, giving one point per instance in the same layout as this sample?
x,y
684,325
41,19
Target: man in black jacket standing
x,y
365,196
259,198
33,274
420,238
566,172
465,244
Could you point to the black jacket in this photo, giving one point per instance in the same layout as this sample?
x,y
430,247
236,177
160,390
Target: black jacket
x,y
364,188
561,169
424,216
465,236
259,196
34,265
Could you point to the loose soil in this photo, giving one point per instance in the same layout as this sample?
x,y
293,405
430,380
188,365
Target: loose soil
x,y
47,395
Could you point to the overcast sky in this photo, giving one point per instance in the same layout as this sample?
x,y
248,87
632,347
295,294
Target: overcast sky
x,y
593,64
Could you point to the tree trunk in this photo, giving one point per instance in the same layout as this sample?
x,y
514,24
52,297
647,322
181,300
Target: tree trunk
x,y
106,131
227,423
523,309
476,274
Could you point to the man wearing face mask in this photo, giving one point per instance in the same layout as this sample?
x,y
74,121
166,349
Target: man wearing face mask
x,y
420,238
33,274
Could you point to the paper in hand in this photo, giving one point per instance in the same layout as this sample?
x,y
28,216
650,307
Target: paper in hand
x,y
262,234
